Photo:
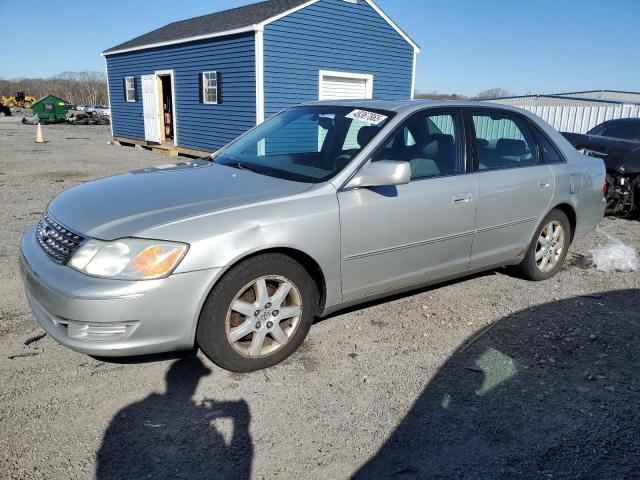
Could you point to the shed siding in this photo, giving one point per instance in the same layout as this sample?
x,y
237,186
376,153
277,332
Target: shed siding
x,y
198,126
338,36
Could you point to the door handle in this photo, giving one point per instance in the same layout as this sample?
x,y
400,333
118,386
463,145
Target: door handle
x,y
544,183
462,198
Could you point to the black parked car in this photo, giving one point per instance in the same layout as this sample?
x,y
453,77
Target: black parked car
x,y
617,142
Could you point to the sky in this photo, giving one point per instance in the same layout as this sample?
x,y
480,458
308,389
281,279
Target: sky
x,y
523,46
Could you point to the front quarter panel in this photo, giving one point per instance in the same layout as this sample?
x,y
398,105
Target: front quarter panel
x,y
306,222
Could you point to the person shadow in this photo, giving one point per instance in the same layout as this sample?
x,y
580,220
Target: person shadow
x,y
548,392
169,436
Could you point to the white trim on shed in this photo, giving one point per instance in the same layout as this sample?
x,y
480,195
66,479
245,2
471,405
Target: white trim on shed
x,y
284,14
174,115
106,71
351,85
415,46
250,28
259,39
413,75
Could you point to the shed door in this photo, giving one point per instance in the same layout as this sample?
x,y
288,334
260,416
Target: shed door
x,y
346,86
150,109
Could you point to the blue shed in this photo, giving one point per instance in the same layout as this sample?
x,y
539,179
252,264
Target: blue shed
x,y
196,84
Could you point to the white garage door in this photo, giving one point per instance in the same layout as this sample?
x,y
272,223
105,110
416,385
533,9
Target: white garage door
x,y
335,86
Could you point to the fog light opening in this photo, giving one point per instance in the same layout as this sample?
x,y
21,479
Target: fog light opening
x,y
97,331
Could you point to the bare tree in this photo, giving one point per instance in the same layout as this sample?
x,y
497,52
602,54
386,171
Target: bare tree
x,y
74,87
439,96
492,93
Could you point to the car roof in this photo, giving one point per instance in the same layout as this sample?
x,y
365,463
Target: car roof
x,y
408,106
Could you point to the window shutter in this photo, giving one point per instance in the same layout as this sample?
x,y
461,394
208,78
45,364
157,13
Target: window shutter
x,y
218,88
124,88
200,88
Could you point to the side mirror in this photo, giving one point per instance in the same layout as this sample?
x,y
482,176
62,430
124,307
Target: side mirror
x,y
382,173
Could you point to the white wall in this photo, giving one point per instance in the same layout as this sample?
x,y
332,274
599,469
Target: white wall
x,y
581,119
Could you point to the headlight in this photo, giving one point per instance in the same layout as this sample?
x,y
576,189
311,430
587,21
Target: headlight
x,y
128,258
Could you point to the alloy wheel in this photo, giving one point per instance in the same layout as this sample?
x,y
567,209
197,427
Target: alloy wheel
x,y
550,246
264,316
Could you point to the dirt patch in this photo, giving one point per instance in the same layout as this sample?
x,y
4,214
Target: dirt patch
x,y
62,175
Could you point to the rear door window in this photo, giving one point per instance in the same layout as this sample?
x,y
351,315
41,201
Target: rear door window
x,y
546,151
503,141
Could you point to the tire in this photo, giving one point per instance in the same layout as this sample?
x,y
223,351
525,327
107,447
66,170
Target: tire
x,y
218,332
536,269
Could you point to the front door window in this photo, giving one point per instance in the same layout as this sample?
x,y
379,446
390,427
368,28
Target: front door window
x,y
432,143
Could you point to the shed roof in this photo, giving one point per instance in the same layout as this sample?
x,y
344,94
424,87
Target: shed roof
x,y
227,22
47,97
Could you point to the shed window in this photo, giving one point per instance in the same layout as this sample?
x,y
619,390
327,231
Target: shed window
x,y
210,87
130,89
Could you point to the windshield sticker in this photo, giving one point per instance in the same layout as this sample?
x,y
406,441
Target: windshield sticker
x,y
369,117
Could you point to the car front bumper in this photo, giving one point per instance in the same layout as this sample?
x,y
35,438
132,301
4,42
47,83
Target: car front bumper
x,y
106,317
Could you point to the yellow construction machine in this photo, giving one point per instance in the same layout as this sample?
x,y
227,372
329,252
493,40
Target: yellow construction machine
x,y
18,100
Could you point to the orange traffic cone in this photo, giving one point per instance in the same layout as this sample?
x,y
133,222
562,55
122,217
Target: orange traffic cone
x,y
39,136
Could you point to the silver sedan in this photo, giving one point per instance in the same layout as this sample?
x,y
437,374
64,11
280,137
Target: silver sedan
x,y
323,206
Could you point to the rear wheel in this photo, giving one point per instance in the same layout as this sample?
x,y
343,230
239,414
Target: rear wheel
x,y
548,249
259,313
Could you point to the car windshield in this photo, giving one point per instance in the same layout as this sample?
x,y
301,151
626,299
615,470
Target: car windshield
x,y
306,144
621,130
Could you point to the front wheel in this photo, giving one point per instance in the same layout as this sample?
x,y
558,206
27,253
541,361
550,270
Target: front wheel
x,y
258,314
548,249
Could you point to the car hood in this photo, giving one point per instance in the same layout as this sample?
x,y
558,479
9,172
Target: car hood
x,y
123,205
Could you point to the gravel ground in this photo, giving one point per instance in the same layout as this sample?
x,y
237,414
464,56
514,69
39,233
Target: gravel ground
x,y
486,377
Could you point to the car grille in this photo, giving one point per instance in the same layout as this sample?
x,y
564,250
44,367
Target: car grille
x,y
56,240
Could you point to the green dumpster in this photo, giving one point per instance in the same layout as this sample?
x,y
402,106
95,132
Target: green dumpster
x,y
50,109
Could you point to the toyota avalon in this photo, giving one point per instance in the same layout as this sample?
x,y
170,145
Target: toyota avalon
x,y
323,206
